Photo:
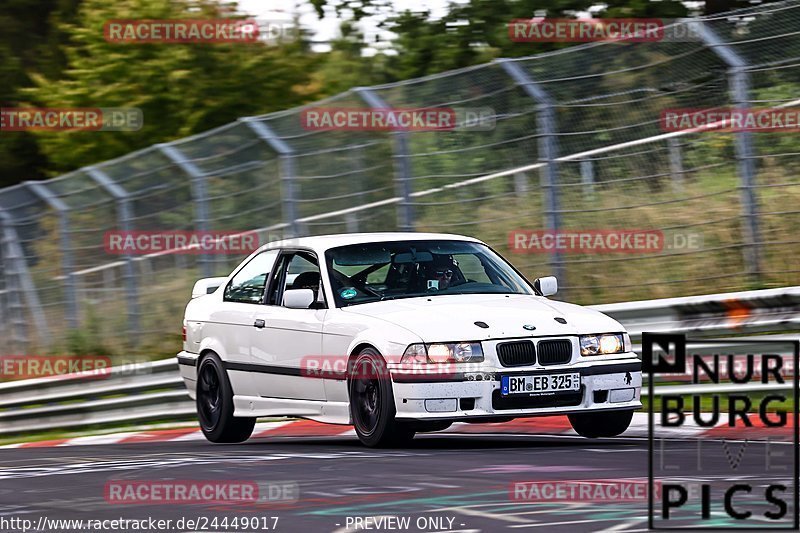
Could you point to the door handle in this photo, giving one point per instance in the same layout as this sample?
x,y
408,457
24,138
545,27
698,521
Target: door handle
x,y
260,324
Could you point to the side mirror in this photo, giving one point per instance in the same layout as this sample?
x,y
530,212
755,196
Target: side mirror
x,y
207,286
298,298
547,286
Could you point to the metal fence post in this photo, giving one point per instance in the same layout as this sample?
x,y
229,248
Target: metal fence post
x,y
352,223
288,171
13,314
521,186
587,177
402,151
4,320
20,285
548,153
740,95
6,331
70,283
676,170
199,195
124,216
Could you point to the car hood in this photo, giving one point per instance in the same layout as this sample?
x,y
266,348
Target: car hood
x,y
452,318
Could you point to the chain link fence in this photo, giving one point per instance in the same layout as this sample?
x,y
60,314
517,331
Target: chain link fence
x,y
577,145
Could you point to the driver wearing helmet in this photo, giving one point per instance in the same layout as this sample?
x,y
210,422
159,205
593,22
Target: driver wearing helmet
x,y
442,272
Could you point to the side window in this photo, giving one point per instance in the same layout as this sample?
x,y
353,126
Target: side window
x,y
298,271
248,285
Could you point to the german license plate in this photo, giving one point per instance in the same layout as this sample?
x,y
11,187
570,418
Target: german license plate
x,y
539,383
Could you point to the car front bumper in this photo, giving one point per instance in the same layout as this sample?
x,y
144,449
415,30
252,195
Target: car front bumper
x,y
608,385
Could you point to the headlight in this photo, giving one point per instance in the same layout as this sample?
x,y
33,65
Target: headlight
x,y
607,343
440,353
415,353
457,352
467,352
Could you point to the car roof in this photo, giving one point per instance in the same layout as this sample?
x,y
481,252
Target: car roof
x,y
325,242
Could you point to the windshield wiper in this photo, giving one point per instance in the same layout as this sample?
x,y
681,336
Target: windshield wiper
x,y
401,296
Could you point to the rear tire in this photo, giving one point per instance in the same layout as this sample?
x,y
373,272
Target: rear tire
x,y
215,404
372,405
601,424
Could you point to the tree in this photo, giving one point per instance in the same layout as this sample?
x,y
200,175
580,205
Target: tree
x,y
181,89
346,65
476,31
30,41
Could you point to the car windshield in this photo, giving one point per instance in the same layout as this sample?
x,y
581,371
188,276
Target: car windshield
x,y
371,272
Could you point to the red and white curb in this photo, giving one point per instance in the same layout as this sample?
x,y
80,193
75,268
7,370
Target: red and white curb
x,y
552,425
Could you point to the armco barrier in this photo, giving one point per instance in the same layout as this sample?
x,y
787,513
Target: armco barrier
x,y
732,313
138,393
148,392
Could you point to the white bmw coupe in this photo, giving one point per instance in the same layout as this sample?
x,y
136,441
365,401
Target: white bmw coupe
x,y
396,334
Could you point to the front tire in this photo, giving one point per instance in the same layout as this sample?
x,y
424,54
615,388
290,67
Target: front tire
x,y
372,405
601,424
215,404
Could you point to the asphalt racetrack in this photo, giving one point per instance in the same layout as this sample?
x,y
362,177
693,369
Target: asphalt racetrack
x,y
440,482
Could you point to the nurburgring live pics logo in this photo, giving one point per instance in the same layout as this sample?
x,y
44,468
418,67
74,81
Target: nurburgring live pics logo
x,y
733,491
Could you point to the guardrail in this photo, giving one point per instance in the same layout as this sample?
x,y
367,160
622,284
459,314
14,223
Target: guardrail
x,y
136,393
149,392
733,313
